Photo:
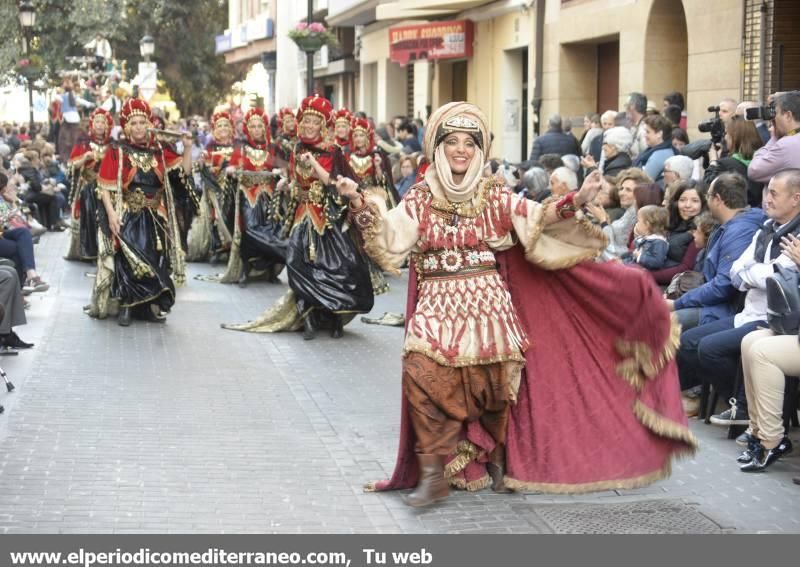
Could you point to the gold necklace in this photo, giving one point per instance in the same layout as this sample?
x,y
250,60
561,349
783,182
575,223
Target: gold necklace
x,y
143,160
469,209
360,164
257,157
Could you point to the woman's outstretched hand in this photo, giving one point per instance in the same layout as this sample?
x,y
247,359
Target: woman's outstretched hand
x,y
590,188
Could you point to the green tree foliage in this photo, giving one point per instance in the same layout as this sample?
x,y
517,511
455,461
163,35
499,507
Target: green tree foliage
x,y
183,31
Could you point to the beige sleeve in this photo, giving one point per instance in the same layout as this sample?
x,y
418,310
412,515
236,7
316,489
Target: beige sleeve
x,y
559,245
389,236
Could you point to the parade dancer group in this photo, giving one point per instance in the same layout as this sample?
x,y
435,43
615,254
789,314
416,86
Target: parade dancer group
x,y
505,346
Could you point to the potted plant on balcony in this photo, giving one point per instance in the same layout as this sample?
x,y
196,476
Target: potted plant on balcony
x,y
311,37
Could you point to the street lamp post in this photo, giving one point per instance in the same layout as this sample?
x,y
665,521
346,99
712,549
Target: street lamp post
x,y
27,19
310,56
148,73
147,47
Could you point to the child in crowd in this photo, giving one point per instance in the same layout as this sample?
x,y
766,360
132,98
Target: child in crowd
x,y
650,245
702,227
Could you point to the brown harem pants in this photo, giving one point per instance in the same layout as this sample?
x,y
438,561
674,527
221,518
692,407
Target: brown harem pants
x,y
443,398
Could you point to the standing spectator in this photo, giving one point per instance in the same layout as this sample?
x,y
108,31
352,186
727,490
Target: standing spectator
x,y
408,174
727,109
742,141
761,126
673,114
591,129
554,141
676,99
101,49
70,127
659,147
607,121
727,202
636,109
783,149
407,135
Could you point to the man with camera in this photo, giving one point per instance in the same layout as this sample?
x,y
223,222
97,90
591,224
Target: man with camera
x,y
782,151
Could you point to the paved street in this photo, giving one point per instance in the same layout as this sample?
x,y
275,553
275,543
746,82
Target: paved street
x,y
184,427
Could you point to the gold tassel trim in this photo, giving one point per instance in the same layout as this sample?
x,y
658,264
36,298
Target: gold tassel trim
x,y
370,232
580,488
466,452
664,427
639,363
472,486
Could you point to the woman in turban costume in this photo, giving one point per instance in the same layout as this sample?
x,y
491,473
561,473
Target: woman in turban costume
x,y
140,251
329,278
84,163
212,229
507,353
256,238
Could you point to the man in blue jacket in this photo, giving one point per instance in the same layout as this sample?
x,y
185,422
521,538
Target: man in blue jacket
x,y
727,202
554,141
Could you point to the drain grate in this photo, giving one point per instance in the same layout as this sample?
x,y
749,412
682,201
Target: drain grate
x,y
641,517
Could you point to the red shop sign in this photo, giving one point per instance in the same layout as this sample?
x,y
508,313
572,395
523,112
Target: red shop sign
x,y
438,40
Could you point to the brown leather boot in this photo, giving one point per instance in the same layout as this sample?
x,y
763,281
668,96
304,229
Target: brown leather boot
x,y
432,486
496,468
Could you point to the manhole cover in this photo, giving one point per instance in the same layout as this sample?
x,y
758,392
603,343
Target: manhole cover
x,y
642,517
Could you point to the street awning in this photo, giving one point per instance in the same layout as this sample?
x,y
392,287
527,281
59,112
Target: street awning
x,y
410,9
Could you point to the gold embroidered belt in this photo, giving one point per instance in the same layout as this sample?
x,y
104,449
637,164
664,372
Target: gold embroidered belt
x,y
460,273
137,200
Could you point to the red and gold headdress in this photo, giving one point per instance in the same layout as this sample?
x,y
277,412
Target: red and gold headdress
x,y
316,106
362,125
283,112
253,115
343,116
101,113
223,115
134,107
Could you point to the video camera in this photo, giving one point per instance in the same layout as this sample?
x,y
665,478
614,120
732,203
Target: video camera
x,y
714,126
765,113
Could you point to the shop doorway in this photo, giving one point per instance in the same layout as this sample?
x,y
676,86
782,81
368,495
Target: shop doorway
x,y
459,84
607,76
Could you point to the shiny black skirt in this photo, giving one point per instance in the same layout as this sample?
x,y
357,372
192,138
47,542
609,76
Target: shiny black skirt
x,y
88,222
327,271
261,238
141,263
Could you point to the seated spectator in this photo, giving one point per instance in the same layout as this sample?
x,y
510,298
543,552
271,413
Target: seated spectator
x,y
13,308
714,300
574,163
36,194
608,198
554,141
386,142
766,361
616,142
783,149
703,226
677,168
407,135
711,352
742,141
658,131
687,201
408,174
591,129
650,245
535,184
550,162
16,244
562,181
620,231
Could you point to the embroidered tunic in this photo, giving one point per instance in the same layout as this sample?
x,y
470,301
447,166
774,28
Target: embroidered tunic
x,y
464,314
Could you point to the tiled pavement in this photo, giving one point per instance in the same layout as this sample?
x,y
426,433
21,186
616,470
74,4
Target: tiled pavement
x,y
185,427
